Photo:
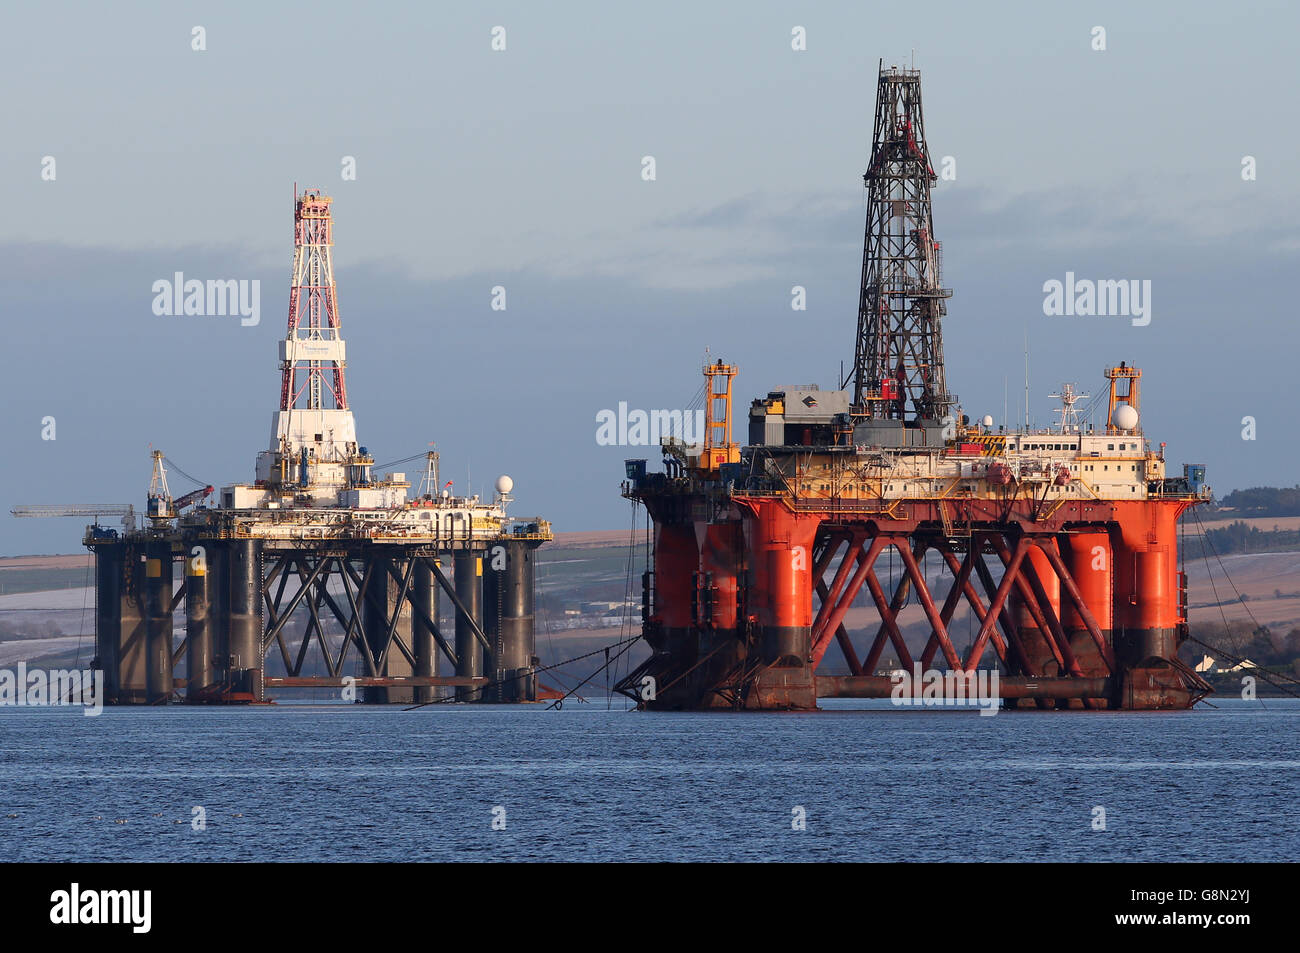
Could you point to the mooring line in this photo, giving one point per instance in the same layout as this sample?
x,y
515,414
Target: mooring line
x,y
538,671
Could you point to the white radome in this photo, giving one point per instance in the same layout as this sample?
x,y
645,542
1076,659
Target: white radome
x,y
987,420
1125,417
504,484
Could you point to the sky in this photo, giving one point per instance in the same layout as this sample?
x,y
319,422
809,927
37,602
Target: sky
x,y
522,168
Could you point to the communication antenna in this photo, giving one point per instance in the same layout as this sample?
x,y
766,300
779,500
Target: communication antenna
x,y
1070,416
1026,379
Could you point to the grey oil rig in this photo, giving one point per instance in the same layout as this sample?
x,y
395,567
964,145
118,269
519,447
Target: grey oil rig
x,y
317,538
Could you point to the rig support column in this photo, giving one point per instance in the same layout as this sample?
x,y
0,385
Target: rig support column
x,y
1088,557
374,616
716,604
675,558
245,614
1148,616
469,590
218,576
158,606
119,627
200,669
508,602
779,550
423,646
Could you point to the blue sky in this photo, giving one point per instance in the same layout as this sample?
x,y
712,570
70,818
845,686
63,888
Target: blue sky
x,y
522,168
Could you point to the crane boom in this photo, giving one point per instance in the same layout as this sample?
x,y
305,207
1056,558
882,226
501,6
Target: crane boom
x,y
74,509
92,510
193,497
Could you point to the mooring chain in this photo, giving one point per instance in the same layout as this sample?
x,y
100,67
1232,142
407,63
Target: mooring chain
x,y
559,702
1260,672
544,668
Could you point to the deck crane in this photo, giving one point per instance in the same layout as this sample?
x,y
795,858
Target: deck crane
x,y
161,506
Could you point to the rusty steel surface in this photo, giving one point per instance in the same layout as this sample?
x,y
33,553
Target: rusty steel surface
x,y
1159,686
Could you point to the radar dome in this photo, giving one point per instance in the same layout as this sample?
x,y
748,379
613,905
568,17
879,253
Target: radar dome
x,y
987,420
1125,417
504,484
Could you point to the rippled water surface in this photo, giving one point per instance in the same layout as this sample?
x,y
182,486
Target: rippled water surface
x,y
320,783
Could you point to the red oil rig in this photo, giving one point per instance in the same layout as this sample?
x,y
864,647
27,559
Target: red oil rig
x,y
1063,542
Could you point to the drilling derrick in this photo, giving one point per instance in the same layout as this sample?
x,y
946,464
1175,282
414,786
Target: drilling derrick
x,y
1060,545
898,360
315,342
